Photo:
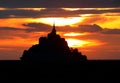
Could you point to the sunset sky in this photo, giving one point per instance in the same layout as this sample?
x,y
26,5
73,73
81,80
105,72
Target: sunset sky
x,y
92,26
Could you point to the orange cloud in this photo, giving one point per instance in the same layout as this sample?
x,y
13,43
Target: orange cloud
x,y
1,8
16,22
13,22
74,34
103,20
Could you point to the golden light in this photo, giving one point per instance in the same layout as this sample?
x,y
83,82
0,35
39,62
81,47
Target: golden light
x,y
82,43
75,9
35,9
18,42
85,15
15,22
74,34
76,42
111,21
1,8
71,21
71,9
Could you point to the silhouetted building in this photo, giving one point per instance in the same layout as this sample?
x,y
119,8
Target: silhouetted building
x,y
50,49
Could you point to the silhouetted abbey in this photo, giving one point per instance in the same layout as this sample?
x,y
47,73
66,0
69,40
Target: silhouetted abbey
x,y
52,48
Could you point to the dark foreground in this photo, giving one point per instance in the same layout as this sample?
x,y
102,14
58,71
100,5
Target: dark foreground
x,y
92,71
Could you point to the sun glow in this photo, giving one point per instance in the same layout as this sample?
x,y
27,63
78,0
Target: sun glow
x,y
71,21
74,34
71,9
76,42
82,43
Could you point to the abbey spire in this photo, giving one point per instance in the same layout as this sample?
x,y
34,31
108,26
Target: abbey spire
x,y
53,30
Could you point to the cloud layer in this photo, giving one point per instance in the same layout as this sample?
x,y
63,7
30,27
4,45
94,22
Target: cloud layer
x,y
58,3
50,12
40,27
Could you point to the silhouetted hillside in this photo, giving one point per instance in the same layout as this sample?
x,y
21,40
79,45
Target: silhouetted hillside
x,y
90,71
52,48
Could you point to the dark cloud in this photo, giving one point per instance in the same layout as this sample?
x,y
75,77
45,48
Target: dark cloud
x,y
81,28
10,28
58,3
61,12
18,13
90,28
86,28
43,27
40,27
96,11
50,12
111,31
57,12
10,33
31,27
37,27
